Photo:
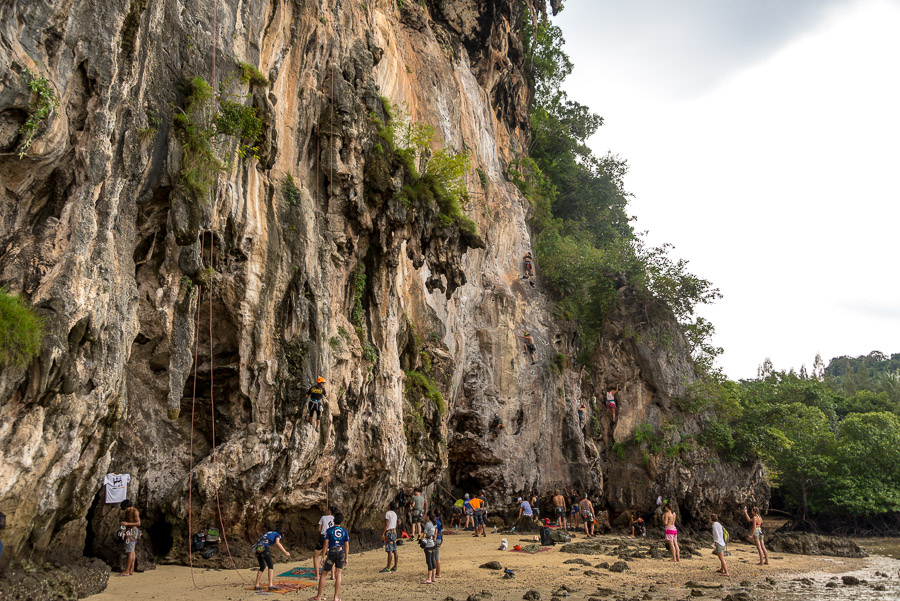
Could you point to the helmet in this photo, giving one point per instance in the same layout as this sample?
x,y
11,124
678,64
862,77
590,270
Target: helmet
x,y
320,380
466,497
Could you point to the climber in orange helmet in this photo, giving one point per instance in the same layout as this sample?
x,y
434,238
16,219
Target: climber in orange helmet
x,y
315,395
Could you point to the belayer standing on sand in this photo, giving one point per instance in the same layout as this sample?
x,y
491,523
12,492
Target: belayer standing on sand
x,y
325,522
574,499
470,513
389,536
529,345
337,541
611,400
428,544
315,394
478,513
264,557
419,506
586,508
671,533
718,533
758,535
456,514
559,510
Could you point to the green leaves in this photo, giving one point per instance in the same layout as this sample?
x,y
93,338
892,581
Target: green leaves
x,y
43,101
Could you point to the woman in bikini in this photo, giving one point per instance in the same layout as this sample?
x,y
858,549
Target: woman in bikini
x,y
758,535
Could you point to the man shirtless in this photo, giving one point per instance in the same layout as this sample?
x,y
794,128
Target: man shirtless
x,y
559,510
671,533
529,345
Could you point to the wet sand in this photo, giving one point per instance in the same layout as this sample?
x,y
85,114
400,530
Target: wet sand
x,y
462,554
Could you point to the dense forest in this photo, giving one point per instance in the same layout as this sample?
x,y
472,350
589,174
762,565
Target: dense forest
x,y
830,438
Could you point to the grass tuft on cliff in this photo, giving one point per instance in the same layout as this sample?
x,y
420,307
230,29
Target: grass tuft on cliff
x,y
43,101
419,385
250,74
21,331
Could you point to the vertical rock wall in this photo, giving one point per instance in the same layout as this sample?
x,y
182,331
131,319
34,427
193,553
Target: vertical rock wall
x,y
268,290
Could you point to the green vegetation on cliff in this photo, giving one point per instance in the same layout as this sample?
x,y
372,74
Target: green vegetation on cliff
x,y
43,101
207,116
829,448
431,176
21,331
586,247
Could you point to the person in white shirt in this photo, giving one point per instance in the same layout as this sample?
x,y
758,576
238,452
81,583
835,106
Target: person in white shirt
x,y
718,533
325,522
389,536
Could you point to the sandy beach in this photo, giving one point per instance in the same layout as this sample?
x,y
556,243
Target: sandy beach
x,y
461,556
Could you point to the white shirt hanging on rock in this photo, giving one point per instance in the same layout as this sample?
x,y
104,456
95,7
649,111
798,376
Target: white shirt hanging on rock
x,y
116,487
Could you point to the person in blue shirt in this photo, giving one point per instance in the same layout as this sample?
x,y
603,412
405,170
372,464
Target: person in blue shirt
x,y
264,556
438,541
337,542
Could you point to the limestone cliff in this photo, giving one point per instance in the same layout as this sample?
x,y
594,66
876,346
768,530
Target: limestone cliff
x,y
268,285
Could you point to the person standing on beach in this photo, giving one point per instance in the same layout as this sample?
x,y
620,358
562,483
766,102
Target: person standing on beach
x,y
470,513
536,507
325,522
758,535
671,533
559,510
574,499
718,533
428,544
337,542
131,521
438,541
456,514
419,505
477,505
389,536
586,508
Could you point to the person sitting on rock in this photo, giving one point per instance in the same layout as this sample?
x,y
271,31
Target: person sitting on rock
x,y
315,395
529,345
637,525
611,400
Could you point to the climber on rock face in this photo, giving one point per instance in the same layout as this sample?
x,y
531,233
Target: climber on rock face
x,y
496,426
611,399
315,395
529,345
529,267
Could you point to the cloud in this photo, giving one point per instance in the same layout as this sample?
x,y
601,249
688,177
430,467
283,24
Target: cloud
x,y
686,47
879,310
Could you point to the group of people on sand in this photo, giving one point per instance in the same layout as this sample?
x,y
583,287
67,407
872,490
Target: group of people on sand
x,y
719,536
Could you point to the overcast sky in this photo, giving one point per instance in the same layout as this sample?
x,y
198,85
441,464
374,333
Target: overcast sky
x,y
763,138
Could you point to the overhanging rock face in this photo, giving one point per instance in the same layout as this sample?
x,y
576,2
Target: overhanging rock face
x,y
270,284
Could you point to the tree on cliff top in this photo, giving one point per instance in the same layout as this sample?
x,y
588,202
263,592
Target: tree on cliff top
x,y
585,241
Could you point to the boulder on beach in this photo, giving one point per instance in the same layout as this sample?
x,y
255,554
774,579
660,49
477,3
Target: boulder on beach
x,y
805,543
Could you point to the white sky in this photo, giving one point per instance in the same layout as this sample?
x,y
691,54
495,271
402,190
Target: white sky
x,y
766,147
